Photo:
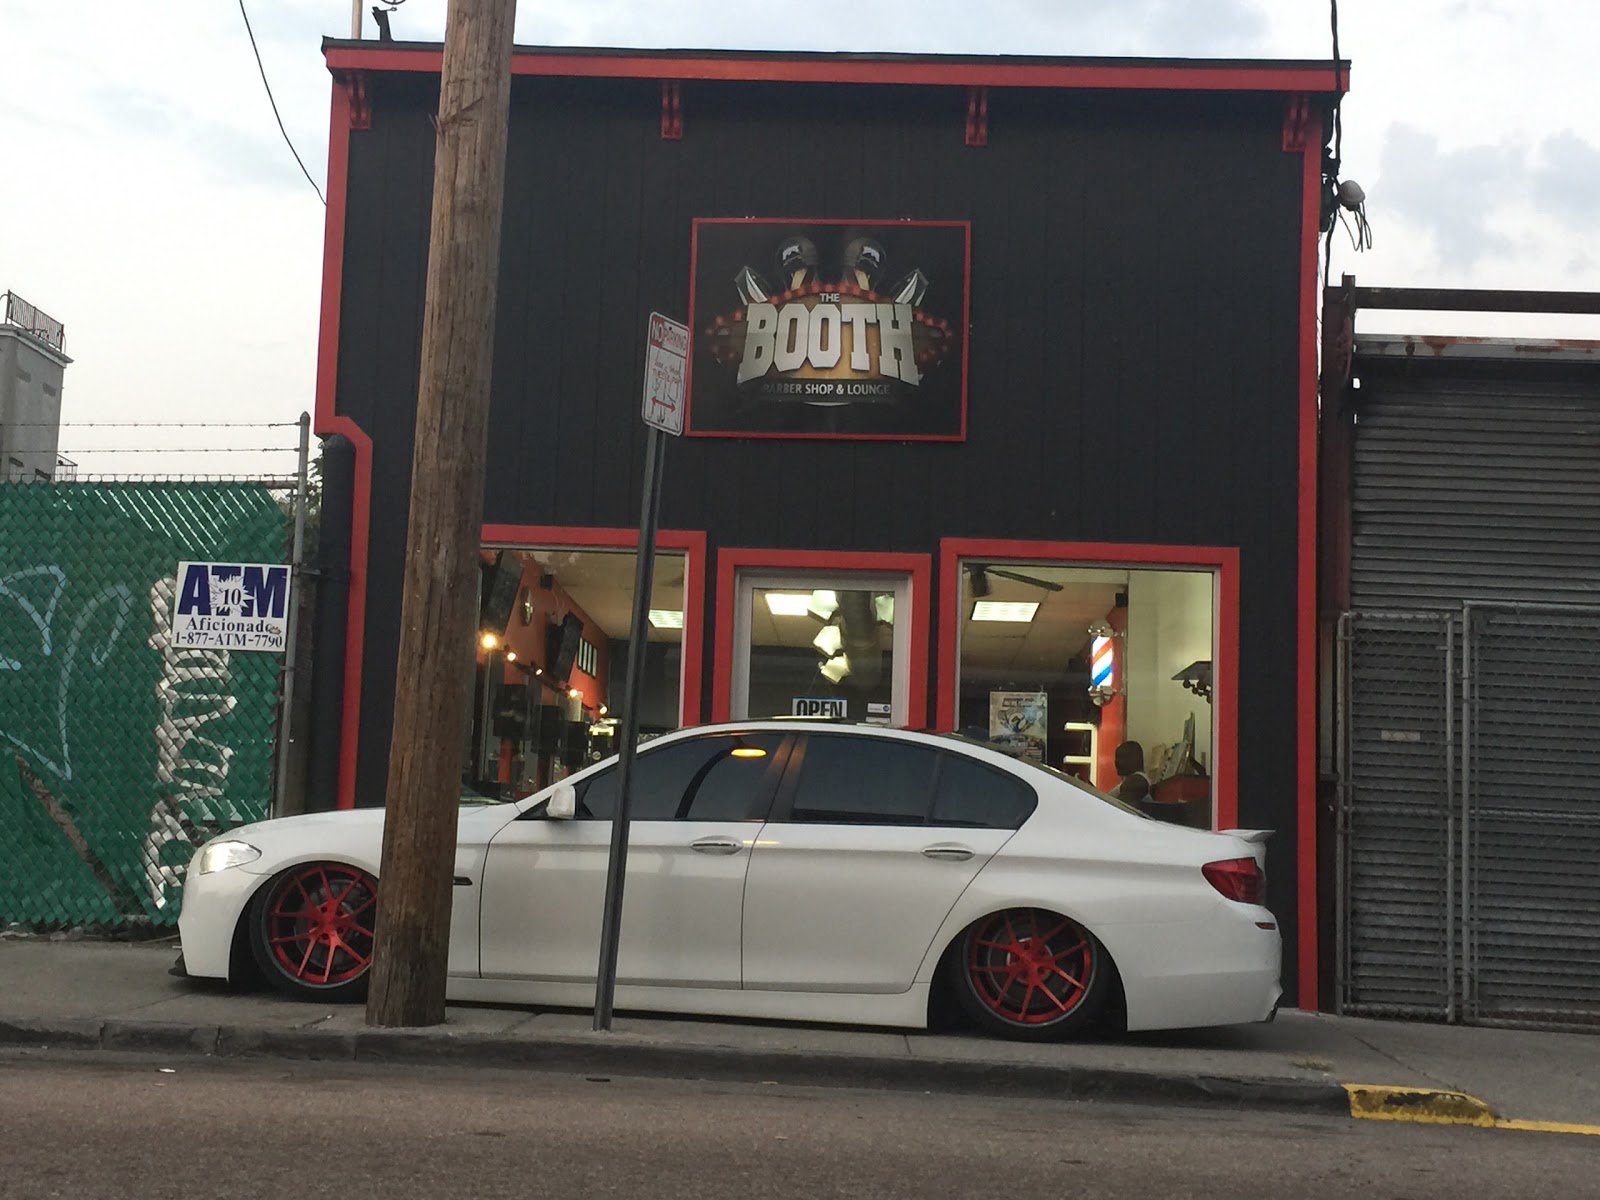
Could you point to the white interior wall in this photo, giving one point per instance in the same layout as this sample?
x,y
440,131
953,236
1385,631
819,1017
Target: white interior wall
x,y
1170,622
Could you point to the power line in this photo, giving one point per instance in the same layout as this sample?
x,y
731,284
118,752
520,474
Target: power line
x,y
274,104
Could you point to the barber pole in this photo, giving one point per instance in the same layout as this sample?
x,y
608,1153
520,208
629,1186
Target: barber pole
x,y
1102,660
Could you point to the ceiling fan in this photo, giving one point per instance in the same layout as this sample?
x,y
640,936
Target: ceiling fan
x,y
980,579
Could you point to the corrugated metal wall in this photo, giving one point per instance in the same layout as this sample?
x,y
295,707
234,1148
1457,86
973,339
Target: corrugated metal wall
x,y
1470,698
1475,490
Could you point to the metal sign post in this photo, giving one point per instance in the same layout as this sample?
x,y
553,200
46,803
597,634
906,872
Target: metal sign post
x,y
665,363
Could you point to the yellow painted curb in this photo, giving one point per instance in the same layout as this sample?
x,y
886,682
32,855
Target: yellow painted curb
x,y
1379,1102
1549,1127
1434,1106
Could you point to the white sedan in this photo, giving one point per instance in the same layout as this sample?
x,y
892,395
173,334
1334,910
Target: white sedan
x,y
785,870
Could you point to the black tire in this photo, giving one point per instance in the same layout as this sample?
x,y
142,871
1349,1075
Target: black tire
x,y
1030,975
311,931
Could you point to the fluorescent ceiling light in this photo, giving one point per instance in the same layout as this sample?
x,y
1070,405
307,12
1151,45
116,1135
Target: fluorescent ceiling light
x,y
999,610
823,605
666,618
836,668
829,640
788,604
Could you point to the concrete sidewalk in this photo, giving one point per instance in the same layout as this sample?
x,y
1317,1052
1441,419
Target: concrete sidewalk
x,y
120,996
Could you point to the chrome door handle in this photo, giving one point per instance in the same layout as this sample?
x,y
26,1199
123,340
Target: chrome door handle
x,y
948,852
715,845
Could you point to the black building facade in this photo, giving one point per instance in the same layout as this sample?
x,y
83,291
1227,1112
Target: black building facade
x,y
966,336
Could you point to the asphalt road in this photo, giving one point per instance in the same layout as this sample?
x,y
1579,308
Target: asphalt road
x,y
93,1125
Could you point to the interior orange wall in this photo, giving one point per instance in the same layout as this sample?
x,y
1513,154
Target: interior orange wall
x,y
527,640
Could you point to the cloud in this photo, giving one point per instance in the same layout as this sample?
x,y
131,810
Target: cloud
x,y
1465,197
1172,28
1449,193
1566,179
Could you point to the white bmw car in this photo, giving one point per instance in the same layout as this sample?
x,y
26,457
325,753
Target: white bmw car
x,y
786,870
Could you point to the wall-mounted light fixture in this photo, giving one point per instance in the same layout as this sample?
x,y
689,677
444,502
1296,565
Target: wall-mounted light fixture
x,y
836,668
1196,677
829,640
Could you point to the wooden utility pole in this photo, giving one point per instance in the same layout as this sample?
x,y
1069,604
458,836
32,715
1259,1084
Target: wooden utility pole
x,y
439,607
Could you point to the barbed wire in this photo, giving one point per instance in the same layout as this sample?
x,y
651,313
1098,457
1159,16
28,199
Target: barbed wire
x,y
179,450
271,482
152,424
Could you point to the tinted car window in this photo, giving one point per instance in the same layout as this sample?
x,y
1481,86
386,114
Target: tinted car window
x,y
863,781
972,795
698,779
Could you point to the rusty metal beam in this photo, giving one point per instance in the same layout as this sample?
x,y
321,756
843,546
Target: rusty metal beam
x,y
1476,300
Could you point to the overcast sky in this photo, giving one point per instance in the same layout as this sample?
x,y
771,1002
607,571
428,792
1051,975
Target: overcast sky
x,y
151,205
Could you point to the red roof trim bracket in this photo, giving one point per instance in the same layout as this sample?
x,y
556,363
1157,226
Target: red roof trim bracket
x,y
360,100
977,116
671,110
1135,74
1296,123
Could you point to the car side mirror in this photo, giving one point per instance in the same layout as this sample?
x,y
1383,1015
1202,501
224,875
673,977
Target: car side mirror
x,y
563,803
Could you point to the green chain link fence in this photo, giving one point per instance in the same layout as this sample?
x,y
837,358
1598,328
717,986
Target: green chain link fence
x,y
119,753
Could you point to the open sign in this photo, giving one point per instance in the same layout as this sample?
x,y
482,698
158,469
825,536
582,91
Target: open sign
x,y
818,706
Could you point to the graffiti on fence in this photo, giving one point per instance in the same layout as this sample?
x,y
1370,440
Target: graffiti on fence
x,y
55,671
128,748
191,769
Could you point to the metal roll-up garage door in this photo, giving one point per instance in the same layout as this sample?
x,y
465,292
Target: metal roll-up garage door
x,y
1475,490
1470,690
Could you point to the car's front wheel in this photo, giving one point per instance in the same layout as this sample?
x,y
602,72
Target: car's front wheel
x,y
1031,974
311,931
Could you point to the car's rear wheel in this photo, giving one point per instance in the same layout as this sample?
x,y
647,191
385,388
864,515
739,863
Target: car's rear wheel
x,y
1031,974
311,931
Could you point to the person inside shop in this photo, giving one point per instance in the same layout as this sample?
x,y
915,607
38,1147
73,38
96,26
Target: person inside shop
x,y
1129,763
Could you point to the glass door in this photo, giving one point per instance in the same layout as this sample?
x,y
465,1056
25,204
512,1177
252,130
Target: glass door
x,y
821,644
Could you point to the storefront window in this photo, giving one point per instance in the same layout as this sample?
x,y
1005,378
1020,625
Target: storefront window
x,y
1102,672
821,645
552,654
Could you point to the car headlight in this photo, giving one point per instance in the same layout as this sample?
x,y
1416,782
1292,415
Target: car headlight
x,y
219,856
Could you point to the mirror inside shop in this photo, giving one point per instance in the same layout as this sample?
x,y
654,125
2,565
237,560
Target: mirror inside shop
x,y
1104,673
553,648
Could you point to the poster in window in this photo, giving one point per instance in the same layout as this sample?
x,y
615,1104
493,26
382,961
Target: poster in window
x,y
1019,722
818,329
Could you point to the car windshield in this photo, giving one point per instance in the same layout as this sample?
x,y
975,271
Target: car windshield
x,y
1080,784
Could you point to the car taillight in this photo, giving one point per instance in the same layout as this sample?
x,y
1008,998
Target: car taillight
x,y
1237,878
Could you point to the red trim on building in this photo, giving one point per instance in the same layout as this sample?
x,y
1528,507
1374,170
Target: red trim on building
x,y
1224,560
328,422
1266,76
1306,936
690,542
731,560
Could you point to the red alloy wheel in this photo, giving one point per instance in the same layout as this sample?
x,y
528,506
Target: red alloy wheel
x,y
1031,968
317,925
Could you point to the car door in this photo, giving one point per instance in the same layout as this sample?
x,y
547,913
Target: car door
x,y
697,807
871,842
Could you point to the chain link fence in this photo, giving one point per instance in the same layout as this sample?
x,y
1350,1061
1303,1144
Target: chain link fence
x,y
1468,832
119,751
